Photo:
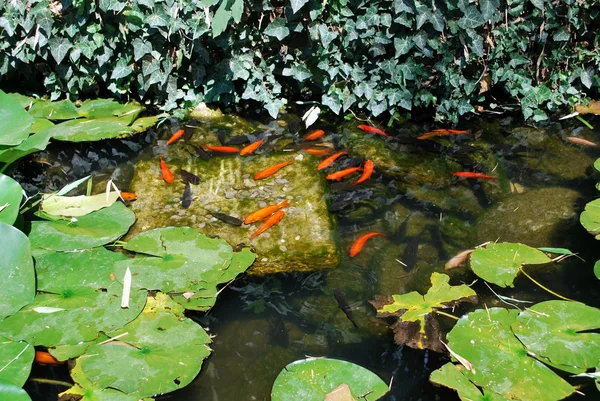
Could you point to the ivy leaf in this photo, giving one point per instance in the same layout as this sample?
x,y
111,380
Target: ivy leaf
x,y
561,35
157,21
538,4
326,35
277,28
237,9
333,103
586,77
488,8
59,47
402,46
122,70
299,71
472,18
274,106
297,5
140,48
112,5
403,6
221,19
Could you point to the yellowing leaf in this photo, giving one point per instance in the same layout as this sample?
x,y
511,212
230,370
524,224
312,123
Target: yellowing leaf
x,y
74,206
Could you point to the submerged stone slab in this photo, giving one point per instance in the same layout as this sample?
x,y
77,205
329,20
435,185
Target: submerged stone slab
x,y
304,239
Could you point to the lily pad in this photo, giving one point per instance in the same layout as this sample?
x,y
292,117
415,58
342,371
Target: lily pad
x,y
500,263
499,361
597,165
16,358
143,124
16,270
597,269
54,110
313,379
15,122
32,144
75,206
11,194
85,130
89,231
107,108
450,376
40,124
590,218
161,352
12,392
555,331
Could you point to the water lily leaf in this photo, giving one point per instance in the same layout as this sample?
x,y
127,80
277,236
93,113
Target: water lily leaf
x,y
240,262
163,351
89,231
75,206
484,338
40,124
15,122
11,194
554,332
16,270
32,144
315,378
143,124
500,263
590,218
450,375
52,110
16,358
12,392
107,108
597,269
85,130
597,165
557,251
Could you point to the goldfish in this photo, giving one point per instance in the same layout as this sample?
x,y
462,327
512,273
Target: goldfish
x,y
314,135
327,162
318,152
265,212
167,175
358,245
46,358
367,171
581,141
221,149
252,147
128,196
271,221
178,134
373,130
468,174
458,260
443,132
271,170
338,175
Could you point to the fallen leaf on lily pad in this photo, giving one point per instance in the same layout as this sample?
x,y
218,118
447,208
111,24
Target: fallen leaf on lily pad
x,y
76,206
340,393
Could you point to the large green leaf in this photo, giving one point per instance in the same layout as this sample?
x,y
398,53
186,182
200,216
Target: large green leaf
x,y
76,206
16,270
61,110
450,375
11,194
313,378
32,144
590,218
15,122
16,359
107,108
84,130
89,231
499,361
555,332
12,392
500,263
161,352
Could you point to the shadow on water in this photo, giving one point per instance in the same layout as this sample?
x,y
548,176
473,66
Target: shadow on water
x,y
260,324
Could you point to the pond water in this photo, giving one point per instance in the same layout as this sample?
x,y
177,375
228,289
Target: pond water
x,y
262,323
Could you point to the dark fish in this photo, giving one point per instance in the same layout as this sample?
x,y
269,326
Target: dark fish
x,y
438,242
222,137
189,177
294,127
186,199
189,131
238,140
399,235
410,253
226,218
344,305
201,153
278,333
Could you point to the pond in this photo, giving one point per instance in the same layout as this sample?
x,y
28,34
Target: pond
x,y
261,322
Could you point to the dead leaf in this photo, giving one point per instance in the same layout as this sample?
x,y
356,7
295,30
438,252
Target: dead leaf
x,y
340,393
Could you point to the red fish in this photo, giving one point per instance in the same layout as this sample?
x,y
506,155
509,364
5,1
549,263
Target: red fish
x,y
338,175
314,135
367,171
252,147
45,358
358,245
271,221
178,134
265,212
128,196
469,174
167,175
373,130
327,162
271,170
221,149
443,132
318,152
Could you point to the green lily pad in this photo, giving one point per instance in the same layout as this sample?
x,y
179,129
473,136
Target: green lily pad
x,y
107,108
15,122
597,165
85,130
11,194
16,358
240,262
597,269
32,144
24,101
162,352
552,330
89,231
12,392
499,361
590,218
16,270
450,376
500,263
40,124
143,124
313,378
54,110
76,206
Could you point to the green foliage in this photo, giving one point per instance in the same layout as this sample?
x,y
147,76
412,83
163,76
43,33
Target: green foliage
x,y
11,194
374,55
19,356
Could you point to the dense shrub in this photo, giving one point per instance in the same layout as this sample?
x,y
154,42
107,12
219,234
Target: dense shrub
x,y
376,56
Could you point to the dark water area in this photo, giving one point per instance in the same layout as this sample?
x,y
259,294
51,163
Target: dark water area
x,y
261,324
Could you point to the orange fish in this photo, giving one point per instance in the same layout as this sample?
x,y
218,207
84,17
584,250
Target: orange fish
x,y
458,260
271,221
128,196
358,245
167,175
367,171
373,130
251,148
314,135
327,162
271,170
178,134
443,132
581,141
222,149
468,174
338,175
318,152
265,212
46,358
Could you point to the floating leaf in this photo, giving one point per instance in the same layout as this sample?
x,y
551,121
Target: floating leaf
x,y
15,122
558,251
16,358
12,392
84,130
11,194
500,263
590,218
315,378
450,376
32,144
75,206
61,110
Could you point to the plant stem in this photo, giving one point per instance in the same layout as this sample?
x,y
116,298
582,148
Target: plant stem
x,y
544,288
446,314
50,381
582,120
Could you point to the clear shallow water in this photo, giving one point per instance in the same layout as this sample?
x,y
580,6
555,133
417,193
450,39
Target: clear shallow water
x,y
262,324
